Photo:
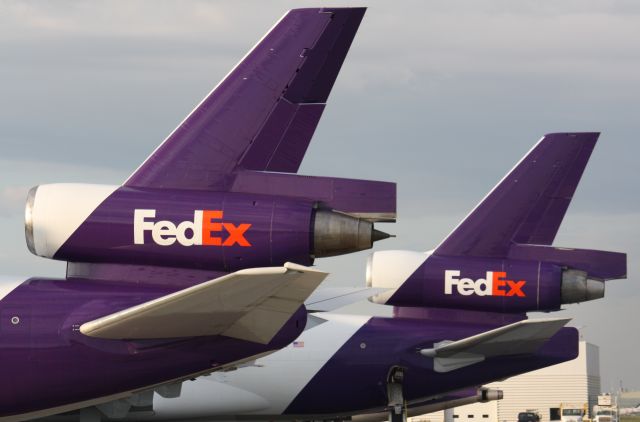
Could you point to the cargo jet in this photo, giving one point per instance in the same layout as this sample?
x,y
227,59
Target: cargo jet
x,y
187,267
459,315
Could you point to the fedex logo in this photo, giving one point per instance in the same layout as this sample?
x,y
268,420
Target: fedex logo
x,y
495,284
207,228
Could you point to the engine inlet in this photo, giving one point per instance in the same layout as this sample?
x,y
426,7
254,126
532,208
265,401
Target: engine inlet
x,y
28,220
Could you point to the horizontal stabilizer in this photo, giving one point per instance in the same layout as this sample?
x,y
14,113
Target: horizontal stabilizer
x,y
366,199
331,298
252,304
599,265
529,203
520,338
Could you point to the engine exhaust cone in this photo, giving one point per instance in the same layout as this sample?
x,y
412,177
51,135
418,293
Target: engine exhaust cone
x,y
380,235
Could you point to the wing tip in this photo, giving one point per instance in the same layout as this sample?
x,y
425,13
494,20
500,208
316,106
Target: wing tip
x,y
564,321
292,266
288,266
88,329
84,330
260,271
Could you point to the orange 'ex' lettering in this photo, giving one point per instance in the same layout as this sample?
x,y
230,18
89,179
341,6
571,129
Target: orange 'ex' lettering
x,y
515,287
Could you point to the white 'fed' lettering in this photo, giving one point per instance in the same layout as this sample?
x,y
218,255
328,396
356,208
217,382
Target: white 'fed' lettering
x,y
467,286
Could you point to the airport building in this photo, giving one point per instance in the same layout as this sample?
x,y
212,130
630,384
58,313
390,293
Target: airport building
x,y
574,383
629,399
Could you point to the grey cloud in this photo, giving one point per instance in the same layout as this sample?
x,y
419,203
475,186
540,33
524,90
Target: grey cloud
x,y
12,200
445,58
132,19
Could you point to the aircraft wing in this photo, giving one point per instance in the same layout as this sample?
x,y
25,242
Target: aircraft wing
x,y
252,304
262,115
519,338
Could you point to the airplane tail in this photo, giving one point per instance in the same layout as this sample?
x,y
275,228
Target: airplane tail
x,y
262,115
520,217
251,132
238,153
500,258
529,203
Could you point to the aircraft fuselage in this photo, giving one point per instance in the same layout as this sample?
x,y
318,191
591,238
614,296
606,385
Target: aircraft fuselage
x,y
341,368
48,362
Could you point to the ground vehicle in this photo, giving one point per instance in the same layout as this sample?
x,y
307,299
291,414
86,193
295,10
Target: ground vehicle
x,y
572,412
606,410
529,416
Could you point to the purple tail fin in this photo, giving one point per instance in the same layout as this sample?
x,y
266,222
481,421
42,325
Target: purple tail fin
x,y
264,112
528,205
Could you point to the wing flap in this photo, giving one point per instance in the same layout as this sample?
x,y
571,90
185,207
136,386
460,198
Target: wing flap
x,y
251,305
519,338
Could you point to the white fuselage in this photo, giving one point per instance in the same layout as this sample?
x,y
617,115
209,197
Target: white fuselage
x,y
269,385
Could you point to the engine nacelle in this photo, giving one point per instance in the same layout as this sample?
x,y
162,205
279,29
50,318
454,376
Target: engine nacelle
x,y
390,269
496,285
222,231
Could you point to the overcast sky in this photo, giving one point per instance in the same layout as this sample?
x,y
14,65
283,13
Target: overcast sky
x,y
442,97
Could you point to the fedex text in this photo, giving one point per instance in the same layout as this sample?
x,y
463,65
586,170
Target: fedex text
x,y
494,284
207,229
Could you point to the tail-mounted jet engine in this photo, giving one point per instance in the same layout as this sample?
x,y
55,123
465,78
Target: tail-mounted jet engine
x,y
498,285
222,231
